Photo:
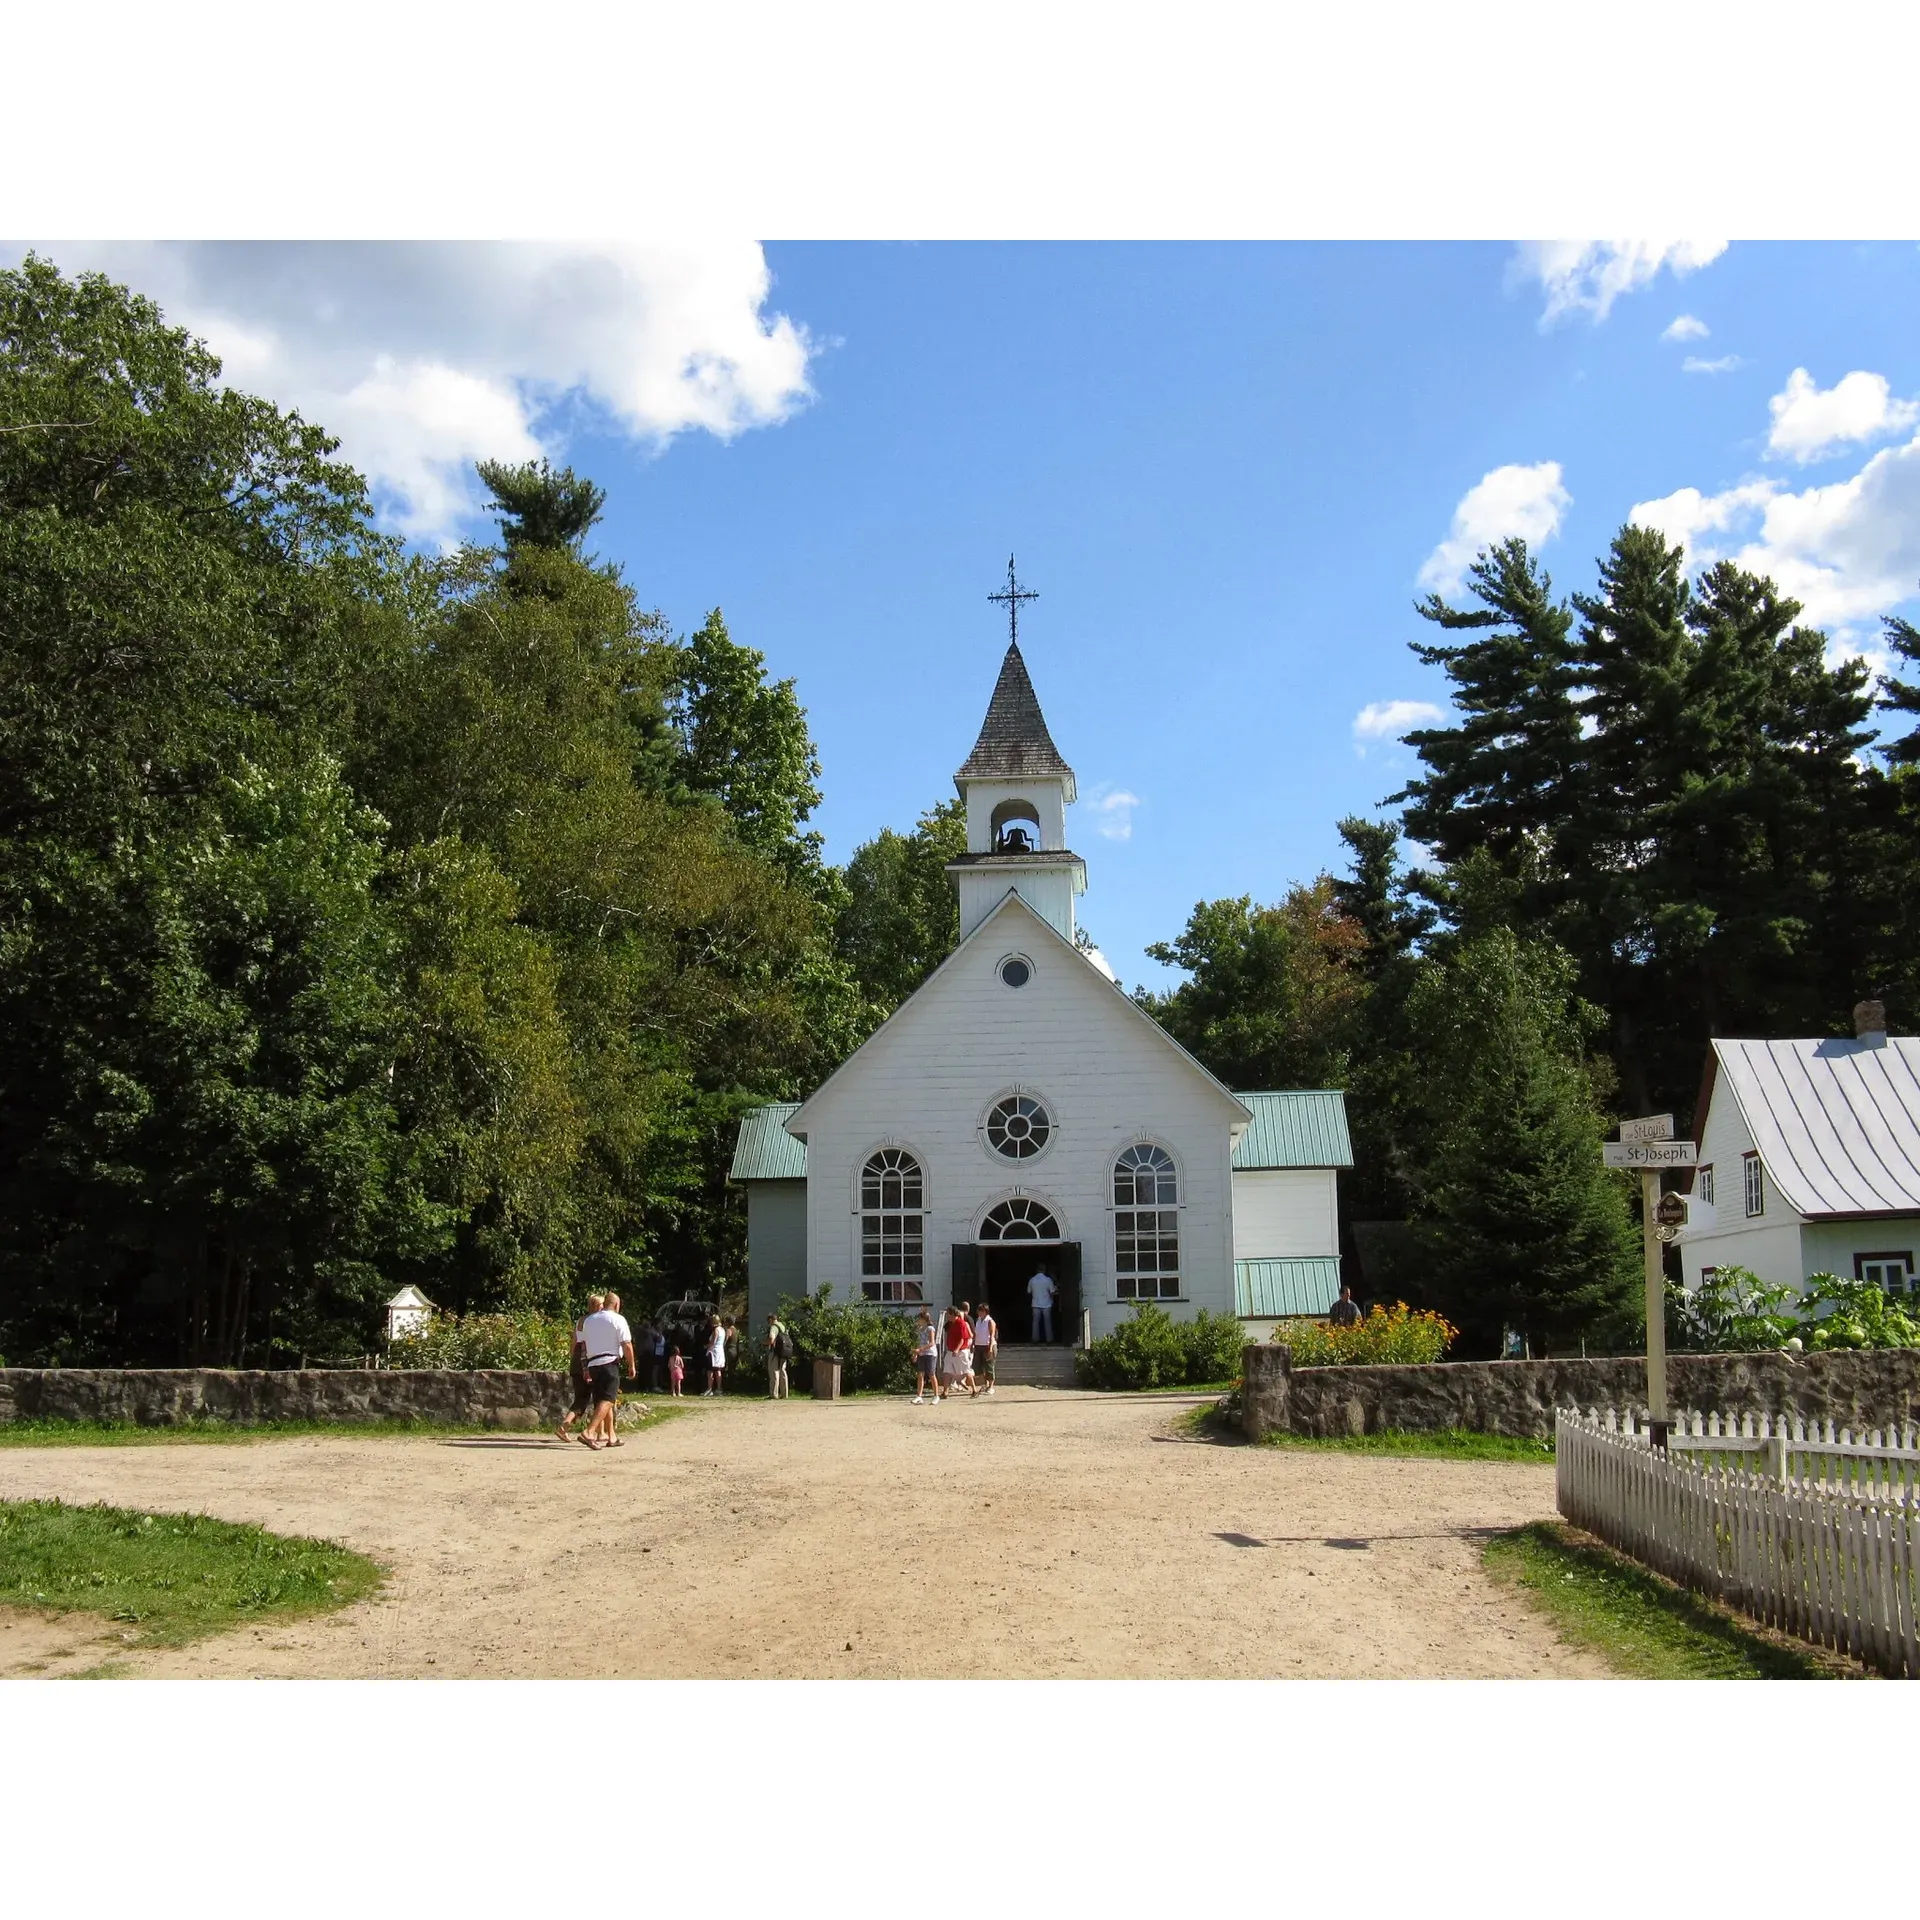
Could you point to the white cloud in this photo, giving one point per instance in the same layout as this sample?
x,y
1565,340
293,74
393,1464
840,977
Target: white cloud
x,y
1725,364
1588,276
1111,809
1686,326
423,357
1809,422
1525,501
1389,719
1847,552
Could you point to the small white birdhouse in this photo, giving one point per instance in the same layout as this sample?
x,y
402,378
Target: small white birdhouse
x,y
408,1312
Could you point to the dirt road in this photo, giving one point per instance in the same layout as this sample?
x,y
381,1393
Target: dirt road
x,y
1032,1535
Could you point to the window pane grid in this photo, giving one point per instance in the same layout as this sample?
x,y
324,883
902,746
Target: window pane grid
x,y
892,1240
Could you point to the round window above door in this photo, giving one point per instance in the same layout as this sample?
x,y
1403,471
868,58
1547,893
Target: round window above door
x,y
1018,1127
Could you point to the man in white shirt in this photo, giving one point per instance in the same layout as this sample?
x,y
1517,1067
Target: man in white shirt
x,y
577,1372
1040,1292
609,1344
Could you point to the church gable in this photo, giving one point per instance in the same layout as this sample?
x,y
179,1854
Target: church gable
x,y
1064,1012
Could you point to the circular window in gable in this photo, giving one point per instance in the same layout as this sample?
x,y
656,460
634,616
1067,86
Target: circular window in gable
x,y
1015,970
1018,1127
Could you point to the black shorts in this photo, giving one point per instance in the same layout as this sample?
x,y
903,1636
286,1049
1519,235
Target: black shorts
x,y
923,1365
582,1393
606,1381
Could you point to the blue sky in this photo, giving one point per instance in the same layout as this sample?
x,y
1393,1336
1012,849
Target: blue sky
x,y
1227,470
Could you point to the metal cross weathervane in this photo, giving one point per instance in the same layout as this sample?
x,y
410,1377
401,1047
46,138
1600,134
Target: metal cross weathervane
x,y
1012,597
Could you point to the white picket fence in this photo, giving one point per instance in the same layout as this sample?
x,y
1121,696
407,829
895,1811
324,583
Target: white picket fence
x,y
1814,1531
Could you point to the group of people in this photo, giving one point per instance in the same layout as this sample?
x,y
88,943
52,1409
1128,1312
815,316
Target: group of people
x,y
955,1356
603,1352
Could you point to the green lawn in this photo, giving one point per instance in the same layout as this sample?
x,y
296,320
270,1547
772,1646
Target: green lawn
x,y
127,1433
173,1577
1644,1627
1447,1443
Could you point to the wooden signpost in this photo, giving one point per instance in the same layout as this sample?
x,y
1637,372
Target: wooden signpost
x,y
1647,1145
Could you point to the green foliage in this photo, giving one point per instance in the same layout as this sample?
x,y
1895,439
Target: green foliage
x,y
455,1344
1395,1336
1672,788
1152,1349
1732,1311
362,918
1274,992
538,507
873,1344
901,916
1840,1313
171,1577
1438,1443
1521,1226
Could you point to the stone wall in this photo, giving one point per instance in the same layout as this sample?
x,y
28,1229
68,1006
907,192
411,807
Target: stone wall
x,y
1519,1396
165,1396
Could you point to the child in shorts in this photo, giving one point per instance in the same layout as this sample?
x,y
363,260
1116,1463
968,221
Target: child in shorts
x,y
676,1370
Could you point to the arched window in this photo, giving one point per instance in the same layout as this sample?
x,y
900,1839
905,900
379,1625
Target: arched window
x,y
892,1227
1018,1128
1019,1219
1146,1225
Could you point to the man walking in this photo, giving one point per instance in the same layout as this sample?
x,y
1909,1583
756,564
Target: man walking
x,y
577,1372
609,1344
986,1344
1040,1291
779,1352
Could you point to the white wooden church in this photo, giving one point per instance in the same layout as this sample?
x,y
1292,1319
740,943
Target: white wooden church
x,y
1020,1109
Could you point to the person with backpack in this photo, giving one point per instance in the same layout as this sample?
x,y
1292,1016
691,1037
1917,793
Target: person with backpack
x,y
779,1352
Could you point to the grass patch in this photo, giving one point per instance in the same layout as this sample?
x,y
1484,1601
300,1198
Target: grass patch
x,y
1447,1443
173,1577
1643,1625
206,1432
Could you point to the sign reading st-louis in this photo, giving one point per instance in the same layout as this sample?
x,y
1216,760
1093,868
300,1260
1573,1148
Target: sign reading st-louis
x,y
1645,1154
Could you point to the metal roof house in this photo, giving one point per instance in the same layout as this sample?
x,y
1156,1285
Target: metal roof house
x,y
1809,1158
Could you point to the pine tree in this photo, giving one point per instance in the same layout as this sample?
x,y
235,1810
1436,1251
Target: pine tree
x,y
1523,1229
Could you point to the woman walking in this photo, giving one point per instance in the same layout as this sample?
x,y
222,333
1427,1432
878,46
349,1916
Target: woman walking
x,y
716,1358
926,1356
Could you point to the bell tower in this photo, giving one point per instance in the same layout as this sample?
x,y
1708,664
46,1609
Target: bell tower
x,y
1017,790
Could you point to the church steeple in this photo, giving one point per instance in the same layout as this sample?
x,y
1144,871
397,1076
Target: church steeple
x,y
1017,788
1014,743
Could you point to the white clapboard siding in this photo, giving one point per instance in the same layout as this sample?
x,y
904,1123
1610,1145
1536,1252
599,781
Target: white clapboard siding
x,y
1813,1531
1281,1212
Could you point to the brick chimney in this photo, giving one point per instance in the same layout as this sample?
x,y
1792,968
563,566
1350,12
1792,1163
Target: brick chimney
x,y
1870,1023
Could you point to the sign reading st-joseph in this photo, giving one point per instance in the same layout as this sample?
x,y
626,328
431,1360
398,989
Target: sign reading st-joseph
x,y
1648,1155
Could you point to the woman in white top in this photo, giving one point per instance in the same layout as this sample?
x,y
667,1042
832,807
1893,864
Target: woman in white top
x,y
716,1358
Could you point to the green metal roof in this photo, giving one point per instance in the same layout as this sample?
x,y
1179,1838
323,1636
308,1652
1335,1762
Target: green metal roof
x,y
765,1149
1295,1130
1273,1289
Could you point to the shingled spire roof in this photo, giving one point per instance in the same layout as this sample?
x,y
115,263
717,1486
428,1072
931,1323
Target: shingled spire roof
x,y
1014,743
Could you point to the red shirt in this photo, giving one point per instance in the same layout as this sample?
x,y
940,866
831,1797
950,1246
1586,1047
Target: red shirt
x,y
959,1334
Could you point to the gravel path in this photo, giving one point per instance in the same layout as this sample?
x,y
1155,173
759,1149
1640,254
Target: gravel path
x,y
1033,1535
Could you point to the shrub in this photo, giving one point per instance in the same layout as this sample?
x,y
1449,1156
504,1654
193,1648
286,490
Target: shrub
x,y
1394,1336
1732,1311
874,1344
1853,1313
1152,1349
450,1344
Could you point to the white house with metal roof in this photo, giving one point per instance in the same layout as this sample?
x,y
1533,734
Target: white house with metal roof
x,y
1020,1110
1809,1158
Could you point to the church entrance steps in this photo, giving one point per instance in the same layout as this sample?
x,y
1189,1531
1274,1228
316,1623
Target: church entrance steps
x,y
1028,1366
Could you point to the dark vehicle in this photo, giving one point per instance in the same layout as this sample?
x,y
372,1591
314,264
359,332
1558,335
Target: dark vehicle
x,y
686,1322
